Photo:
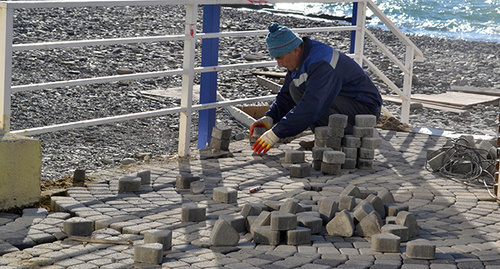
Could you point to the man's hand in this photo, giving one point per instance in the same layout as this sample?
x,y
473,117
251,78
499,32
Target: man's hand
x,y
265,142
264,122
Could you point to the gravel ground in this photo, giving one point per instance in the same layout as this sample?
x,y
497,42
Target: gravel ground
x,y
448,62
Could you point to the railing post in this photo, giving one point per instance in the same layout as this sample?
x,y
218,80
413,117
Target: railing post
x,y
359,42
6,22
407,79
208,84
187,80
353,22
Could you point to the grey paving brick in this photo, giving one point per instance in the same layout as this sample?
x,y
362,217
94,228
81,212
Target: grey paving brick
x,y
148,253
369,225
337,121
341,225
294,156
300,170
223,234
327,209
191,212
311,222
163,237
78,227
264,235
225,195
129,184
421,249
282,221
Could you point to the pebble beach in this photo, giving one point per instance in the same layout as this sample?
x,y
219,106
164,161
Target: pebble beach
x,y
447,63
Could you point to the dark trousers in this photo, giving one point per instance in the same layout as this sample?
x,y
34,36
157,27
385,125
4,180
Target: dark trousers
x,y
342,105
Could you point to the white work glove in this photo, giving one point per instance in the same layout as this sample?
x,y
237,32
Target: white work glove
x,y
265,142
264,122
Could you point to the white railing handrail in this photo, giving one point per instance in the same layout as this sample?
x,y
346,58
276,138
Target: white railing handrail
x,y
190,36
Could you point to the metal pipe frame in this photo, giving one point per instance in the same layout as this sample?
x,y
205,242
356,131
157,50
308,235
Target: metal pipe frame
x,y
188,71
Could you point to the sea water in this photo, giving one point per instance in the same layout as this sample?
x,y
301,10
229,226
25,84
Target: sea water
x,y
475,20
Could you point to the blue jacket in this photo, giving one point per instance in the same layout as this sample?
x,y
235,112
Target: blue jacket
x,y
324,74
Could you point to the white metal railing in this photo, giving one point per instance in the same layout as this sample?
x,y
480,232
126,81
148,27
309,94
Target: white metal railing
x,y
189,69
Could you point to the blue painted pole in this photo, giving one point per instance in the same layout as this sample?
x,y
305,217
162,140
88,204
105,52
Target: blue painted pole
x,y
208,84
353,22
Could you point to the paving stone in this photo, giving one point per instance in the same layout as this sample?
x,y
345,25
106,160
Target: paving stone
x,y
129,184
365,120
349,163
333,157
350,153
300,170
78,226
331,168
252,209
337,133
316,164
220,144
298,236
317,153
315,224
362,210
145,177
337,121
347,202
191,212
225,195
365,153
369,225
272,205
399,230
264,219
197,187
322,132
221,132
385,242
350,141
393,209
291,206
386,196
371,142
421,249
237,221
363,132
294,156
365,164
377,204
351,190
283,221
183,182
163,237
327,209
223,234
148,253
341,225
264,235
409,220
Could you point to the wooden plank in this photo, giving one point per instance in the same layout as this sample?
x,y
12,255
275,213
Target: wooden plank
x,y
269,74
477,90
456,99
268,84
396,99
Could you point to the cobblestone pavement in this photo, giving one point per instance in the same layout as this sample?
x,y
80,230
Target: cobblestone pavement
x,y
463,222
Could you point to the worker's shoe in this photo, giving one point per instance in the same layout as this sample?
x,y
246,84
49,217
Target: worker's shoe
x,y
308,145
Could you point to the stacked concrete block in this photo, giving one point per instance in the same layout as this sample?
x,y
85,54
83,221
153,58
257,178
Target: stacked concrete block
x,y
221,137
225,195
264,219
317,155
77,226
393,209
291,206
264,235
421,249
300,170
365,130
183,182
192,212
224,234
129,184
163,237
386,242
151,253
315,224
331,136
252,209
332,162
